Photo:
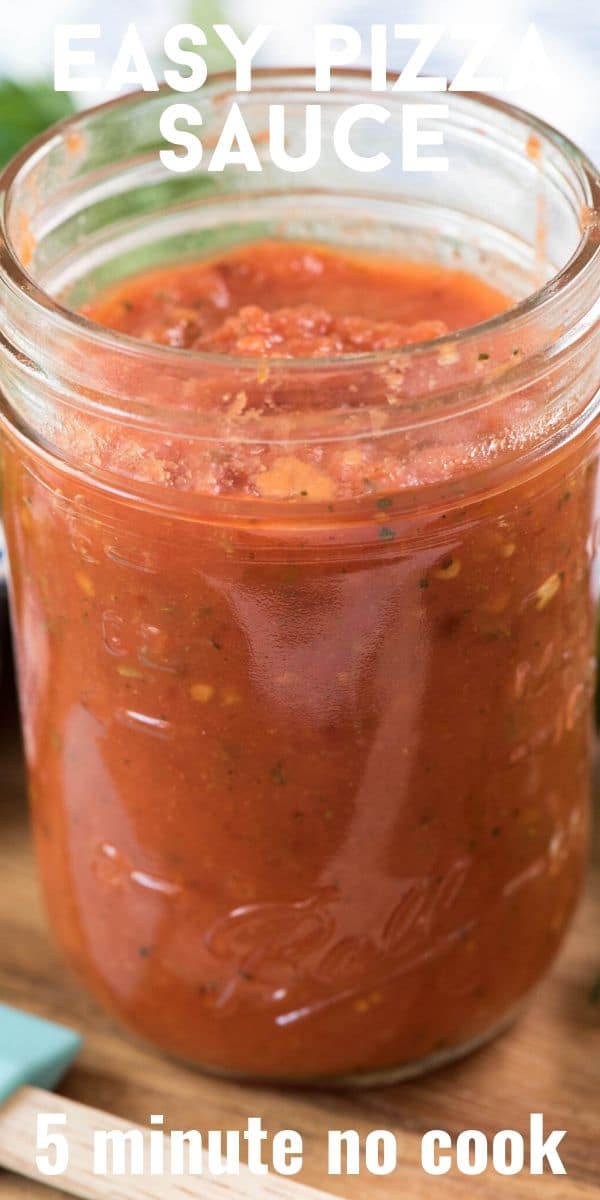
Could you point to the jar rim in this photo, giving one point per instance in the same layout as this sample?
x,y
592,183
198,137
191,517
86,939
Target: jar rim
x,y
585,258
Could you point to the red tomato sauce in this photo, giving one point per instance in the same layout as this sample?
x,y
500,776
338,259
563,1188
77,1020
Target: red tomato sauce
x,y
307,803
294,301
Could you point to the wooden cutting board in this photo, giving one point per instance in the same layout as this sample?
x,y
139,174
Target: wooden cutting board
x,y
549,1062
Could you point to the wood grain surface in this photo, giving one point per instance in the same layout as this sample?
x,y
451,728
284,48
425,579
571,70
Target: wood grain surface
x,y
549,1061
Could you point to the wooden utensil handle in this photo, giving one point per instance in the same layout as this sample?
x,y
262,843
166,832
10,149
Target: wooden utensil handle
x,y
18,1138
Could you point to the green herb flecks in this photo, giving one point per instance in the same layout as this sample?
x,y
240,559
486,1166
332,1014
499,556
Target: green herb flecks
x,y
277,773
595,992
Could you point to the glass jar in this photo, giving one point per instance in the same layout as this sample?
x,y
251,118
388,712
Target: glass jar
x,y
308,765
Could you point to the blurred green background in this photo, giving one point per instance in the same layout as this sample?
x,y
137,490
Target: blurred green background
x,y
25,110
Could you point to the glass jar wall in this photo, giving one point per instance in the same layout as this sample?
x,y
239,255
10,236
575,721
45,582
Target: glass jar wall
x,y
305,645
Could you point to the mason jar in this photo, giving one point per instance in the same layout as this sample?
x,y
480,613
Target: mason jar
x,y
305,680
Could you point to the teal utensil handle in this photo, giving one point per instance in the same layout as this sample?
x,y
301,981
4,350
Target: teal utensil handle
x,y
33,1050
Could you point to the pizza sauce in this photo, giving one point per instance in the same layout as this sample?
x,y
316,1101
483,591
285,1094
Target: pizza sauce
x,y
308,741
